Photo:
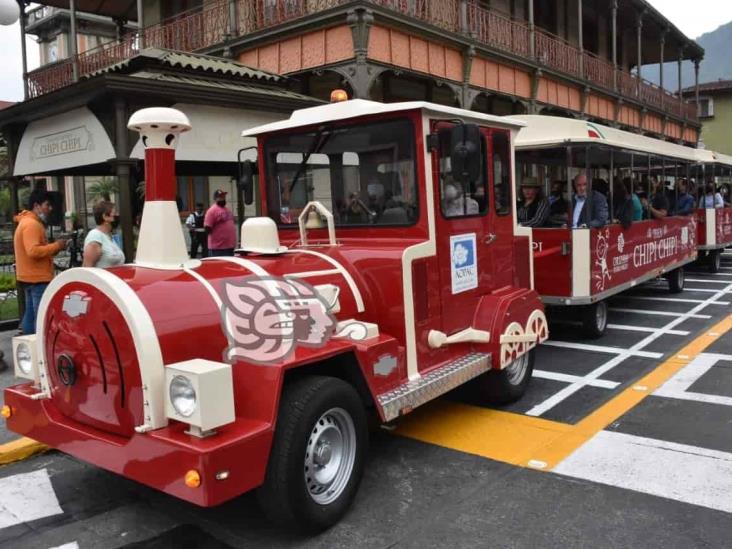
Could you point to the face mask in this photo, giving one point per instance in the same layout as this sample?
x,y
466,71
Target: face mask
x,y
221,203
44,218
451,192
115,222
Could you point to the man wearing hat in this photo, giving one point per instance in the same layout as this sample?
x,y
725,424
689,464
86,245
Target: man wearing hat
x,y
219,224
533,208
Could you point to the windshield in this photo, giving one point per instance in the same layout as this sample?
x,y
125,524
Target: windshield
x,y
364,174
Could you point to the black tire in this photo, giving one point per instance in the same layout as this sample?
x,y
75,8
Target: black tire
x,y
502,386
594,319
715,261
676,280
285,497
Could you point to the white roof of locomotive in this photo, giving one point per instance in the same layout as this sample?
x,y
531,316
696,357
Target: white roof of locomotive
x,y
545,131
355,108
710,157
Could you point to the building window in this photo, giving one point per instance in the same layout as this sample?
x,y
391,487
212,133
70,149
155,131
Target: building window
x,y
706,107
190,191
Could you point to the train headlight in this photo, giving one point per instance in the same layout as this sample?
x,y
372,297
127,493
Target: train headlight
x,y
25,359
201,394
183,396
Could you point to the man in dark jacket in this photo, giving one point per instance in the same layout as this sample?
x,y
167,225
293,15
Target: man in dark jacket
x,y
685,204
587,210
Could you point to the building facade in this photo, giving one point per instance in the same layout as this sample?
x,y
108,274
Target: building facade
x,y
715,114
574,58
579,58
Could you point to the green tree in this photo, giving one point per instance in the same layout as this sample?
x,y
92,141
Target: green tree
x,y
102,189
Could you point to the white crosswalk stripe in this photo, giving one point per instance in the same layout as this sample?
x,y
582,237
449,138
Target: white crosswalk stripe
x,y
27,497
677,471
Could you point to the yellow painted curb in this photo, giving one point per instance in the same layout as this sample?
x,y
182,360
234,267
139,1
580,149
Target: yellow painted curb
x,y
536,442
20,449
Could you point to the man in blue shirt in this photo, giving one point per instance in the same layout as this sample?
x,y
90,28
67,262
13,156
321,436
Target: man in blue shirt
x,y
587,211
685,203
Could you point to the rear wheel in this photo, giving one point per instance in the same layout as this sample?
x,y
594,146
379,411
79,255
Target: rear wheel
x,y
715,261
594,319
510,384
676,280
317,455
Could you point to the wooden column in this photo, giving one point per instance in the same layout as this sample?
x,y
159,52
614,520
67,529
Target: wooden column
x,y
73,42
23,52
681,96
532,30
697,62
660,64
639,38
615,44
581,38
141,24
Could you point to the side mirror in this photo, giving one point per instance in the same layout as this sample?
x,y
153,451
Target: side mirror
x,y
247,171
465,153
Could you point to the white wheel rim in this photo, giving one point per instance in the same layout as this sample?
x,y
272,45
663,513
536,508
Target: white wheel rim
x,y
329,456
516,371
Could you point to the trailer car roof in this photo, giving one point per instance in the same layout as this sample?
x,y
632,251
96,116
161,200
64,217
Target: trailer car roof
x,y
544,131
710,157
360,107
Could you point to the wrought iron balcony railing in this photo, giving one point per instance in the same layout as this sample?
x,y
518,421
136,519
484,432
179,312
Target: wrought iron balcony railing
x,y
211,26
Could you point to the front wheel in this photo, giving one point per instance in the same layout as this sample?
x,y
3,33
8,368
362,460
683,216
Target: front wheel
x,y
510,384
676,280
594,319
715,261
317,455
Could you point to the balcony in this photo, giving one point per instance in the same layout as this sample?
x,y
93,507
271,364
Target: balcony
x,y
211,26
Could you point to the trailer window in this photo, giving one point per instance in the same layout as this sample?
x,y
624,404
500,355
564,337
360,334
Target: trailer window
x,y
364,174
501,172
456,199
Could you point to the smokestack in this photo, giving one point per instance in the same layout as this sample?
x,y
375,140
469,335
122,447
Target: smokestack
x,y
161,242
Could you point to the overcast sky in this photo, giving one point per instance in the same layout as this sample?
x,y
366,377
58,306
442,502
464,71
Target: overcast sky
x,y
693,17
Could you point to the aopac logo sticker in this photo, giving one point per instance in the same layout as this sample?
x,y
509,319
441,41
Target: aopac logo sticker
x,y
463,263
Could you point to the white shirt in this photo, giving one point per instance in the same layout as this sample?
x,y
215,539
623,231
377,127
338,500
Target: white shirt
x,y
578,205
707,201
112,255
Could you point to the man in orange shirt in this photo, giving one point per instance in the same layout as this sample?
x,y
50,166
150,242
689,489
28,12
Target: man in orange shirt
x,y
34,255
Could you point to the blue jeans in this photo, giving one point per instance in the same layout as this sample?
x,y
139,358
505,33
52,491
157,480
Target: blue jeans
x,y
33,294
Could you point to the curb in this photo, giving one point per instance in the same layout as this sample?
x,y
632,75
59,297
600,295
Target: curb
x,y
20,449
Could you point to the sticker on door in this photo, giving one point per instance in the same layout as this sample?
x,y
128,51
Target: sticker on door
x,y
463,263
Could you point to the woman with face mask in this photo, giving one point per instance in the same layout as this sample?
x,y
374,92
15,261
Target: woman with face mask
x,y
100,250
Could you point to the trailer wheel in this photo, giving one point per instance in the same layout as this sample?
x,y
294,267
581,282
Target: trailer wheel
x,y
676,280
715,261
510,384
594,319
317,456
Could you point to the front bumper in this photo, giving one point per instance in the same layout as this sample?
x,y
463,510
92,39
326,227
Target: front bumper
x,y
160,458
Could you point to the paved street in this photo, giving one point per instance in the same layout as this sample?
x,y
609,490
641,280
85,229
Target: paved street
x,y
620,442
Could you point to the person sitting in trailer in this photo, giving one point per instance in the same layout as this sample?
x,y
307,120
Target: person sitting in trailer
x,y
533,209
583,215
637,206
622,205
558,206
670,196
658,207
726,199
711,199
685,204
454,203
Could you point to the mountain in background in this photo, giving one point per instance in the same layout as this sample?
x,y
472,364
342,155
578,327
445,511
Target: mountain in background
x,y
717,63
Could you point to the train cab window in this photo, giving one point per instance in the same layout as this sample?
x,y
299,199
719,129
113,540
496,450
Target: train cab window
x,y
457,200
364,174
501,172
